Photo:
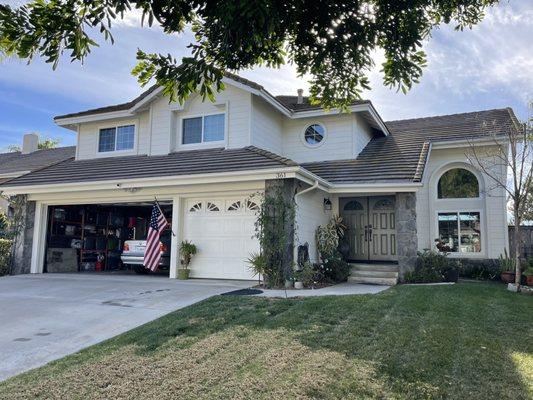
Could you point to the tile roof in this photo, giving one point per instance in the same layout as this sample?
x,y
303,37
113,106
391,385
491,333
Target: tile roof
x,y
17,162
400,157
179,163
289,102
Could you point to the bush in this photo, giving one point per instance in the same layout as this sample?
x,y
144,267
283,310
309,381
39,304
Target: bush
x,y
431,267
5,256
484,270
335,269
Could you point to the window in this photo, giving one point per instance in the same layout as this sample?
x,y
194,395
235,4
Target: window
x,y
353,205
314,134
209,128
458,183
116,139
459,232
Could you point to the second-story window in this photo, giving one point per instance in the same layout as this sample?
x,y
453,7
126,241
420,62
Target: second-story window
x,y
117,138
209,128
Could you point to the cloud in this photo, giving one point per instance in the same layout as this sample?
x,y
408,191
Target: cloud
x,y
489,66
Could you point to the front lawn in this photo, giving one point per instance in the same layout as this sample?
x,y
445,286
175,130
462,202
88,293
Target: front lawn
x,y
467,341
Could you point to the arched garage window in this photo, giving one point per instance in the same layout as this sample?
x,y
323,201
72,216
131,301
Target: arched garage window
x,y
458,183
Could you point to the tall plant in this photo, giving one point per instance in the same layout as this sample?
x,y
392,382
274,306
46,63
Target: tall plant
x,y
511,151
274,229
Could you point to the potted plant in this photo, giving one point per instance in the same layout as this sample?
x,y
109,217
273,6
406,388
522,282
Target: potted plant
x,y
187,250
528,272
508,268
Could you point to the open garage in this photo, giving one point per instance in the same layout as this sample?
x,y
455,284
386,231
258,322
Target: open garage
x,y
111,237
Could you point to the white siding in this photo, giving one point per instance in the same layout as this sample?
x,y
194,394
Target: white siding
x,y
236,103
309,215
492,204
267,128
89,132
346,136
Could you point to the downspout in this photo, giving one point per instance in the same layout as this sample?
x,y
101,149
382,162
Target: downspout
x,y
309,189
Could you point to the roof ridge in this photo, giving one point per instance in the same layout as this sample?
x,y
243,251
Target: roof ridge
x,y
448,115
273,156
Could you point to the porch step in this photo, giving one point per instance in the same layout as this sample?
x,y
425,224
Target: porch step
x,y
377,274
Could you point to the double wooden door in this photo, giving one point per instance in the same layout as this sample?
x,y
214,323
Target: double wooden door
x,y
371,223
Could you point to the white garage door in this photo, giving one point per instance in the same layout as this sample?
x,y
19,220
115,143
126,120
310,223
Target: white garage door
x,y
223,231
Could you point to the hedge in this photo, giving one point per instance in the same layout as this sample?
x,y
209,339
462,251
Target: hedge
x,y
5,254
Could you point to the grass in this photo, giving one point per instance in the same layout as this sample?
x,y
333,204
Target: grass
x,y
467,341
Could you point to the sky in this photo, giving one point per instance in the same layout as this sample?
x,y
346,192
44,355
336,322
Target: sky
x,y
490,66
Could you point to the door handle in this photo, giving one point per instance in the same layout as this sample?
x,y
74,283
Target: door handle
x,y
369,233
366,233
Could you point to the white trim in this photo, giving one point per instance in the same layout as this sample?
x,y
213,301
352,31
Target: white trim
x,y
118,124
176,180
203,144
451,144
39,238
15,174
176,236
482,227
319,144
261,93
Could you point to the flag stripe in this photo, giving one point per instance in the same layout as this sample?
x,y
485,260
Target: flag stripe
x,y
152,252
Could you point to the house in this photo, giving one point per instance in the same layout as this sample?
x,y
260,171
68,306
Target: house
x,y
401,186
28,159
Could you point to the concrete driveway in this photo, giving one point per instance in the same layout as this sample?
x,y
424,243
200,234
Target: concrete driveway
x,y
45,317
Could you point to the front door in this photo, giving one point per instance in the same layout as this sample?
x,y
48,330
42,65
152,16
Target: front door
x,y
371,224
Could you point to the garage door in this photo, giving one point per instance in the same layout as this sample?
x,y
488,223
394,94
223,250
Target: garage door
x,y
223,231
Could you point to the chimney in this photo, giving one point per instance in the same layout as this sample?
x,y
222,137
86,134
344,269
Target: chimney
x,y
300,96
30,143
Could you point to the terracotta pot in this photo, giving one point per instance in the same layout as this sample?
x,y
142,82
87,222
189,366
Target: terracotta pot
x,y
507,277
529,280
183,274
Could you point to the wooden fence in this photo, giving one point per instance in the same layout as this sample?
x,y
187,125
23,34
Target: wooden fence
x,y
526,245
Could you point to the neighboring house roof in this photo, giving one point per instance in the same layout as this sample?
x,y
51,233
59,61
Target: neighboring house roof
x,y
401,156
12,163
189,162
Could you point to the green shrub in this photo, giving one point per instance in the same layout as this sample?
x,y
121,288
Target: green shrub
x,y
5,256
480,270
335,269
431,266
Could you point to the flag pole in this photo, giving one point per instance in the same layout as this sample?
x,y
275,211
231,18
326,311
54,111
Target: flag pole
x,y
161,211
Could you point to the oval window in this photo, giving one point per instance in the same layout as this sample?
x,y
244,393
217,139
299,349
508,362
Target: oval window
x,y
458,183
314,134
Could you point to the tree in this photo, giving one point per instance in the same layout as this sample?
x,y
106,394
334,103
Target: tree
x,y
45,144
514,153
332,40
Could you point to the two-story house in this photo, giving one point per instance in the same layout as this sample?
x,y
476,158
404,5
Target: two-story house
x,y
401,186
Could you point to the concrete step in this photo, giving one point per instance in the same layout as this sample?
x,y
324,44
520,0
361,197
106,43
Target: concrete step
x,y
373,274
374,281
374,267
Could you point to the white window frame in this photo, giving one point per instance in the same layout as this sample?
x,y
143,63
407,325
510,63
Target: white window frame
x,y
203,143
313,146
460,254
116,126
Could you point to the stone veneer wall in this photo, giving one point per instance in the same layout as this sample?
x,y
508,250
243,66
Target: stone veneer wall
x,y
288,188
406,233
21,262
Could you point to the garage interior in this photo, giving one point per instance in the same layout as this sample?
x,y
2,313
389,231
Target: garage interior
x,y
90,238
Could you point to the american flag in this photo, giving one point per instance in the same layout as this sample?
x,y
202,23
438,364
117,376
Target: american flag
x,y
152,253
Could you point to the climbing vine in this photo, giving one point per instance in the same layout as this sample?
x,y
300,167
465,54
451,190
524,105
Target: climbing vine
x,y
275,230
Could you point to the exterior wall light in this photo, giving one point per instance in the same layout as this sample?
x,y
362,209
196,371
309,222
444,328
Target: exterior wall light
x,y
327,204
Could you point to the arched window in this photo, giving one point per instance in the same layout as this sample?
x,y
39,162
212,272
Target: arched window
x,y
353,205
458,183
